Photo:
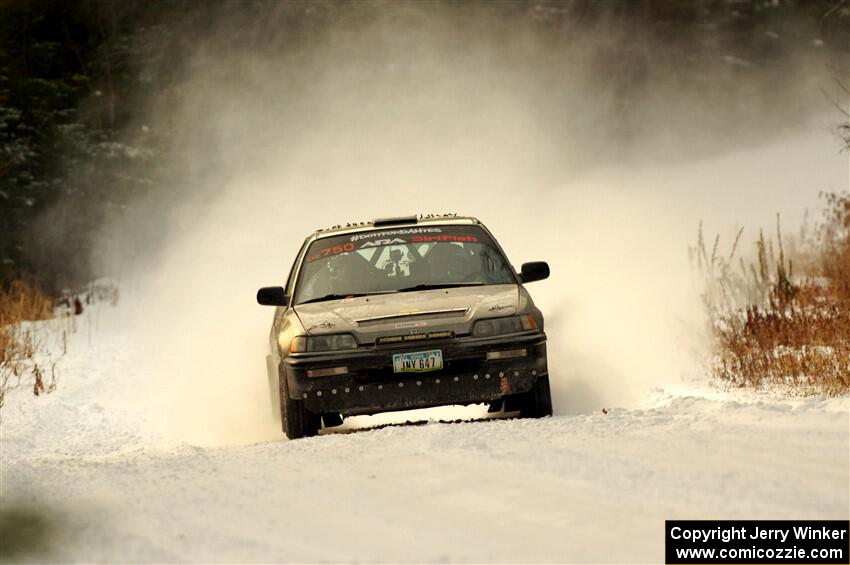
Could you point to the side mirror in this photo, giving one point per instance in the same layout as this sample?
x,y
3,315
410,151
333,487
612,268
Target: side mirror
x,y
272,296
534,271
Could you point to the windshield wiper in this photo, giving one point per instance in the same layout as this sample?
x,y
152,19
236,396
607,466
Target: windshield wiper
x,y
328,297
406,289
438,285
341,296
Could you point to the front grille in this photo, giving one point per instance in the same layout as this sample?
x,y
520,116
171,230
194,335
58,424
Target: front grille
x,y
410,338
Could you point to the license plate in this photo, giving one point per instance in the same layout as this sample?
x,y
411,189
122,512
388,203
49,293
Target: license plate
x,y
418,362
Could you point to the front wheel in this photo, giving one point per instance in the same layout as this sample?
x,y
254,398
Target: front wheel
x,y
296,420
538,401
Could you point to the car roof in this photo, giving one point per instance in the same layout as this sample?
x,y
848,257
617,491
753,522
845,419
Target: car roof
x,y
392,223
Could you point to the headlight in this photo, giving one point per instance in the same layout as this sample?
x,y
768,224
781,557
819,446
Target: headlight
x,y
332,342
499,326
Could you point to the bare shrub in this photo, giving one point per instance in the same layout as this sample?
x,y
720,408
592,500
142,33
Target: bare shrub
x,y
22,302
770,324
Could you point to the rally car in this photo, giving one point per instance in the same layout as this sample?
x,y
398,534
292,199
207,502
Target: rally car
x,y
404,313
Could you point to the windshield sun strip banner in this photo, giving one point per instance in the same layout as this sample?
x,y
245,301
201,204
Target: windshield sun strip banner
x,y
393,233
335,245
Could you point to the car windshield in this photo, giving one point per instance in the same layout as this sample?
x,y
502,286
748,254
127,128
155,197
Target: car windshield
x,y
398,260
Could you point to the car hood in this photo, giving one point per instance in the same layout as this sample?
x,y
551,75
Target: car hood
x,y
404,313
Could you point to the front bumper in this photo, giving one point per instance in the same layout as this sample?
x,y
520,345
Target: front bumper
x,y
371,386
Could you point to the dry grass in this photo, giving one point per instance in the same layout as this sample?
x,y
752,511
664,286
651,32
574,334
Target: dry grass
x,y
21,302
29,352
771,324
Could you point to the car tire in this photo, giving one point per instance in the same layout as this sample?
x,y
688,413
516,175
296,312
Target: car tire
x,y
296,420
538,401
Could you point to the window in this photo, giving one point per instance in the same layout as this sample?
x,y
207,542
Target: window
x,y
390,260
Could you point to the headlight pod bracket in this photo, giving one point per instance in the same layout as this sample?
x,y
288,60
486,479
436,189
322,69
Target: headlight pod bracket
x,y
320,343
507,325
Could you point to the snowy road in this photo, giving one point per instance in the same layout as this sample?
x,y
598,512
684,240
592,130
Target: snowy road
x,y
93,482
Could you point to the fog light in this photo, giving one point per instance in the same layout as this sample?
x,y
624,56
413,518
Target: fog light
x,y
511,354
330,372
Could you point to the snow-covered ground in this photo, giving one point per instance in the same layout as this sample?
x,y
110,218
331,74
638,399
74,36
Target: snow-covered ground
x,y
88,476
